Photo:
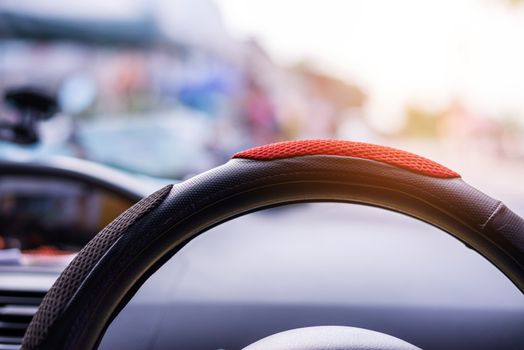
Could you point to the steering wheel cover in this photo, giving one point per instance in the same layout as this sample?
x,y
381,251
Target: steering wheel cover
x,y
383,154
184,211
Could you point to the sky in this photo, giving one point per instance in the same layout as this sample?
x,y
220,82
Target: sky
x,y
401,52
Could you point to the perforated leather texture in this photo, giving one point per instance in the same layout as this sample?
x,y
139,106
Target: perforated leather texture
x,y
69,281
362,150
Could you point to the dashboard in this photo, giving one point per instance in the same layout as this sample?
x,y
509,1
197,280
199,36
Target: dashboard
x,y
43,216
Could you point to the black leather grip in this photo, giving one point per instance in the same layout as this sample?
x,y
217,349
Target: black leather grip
x,y
178,214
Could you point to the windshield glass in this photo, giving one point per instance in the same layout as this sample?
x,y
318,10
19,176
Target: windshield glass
x,y
172,88
141,87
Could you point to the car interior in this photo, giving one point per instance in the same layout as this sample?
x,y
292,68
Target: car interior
x,y
166,185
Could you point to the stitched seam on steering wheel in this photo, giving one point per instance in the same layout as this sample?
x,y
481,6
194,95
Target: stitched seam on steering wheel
x,y
497,209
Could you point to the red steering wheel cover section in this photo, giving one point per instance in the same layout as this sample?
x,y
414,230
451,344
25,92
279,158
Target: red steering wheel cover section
x,y
391,156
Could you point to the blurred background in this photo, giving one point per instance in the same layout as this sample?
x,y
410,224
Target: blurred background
x,y
171,88
165,89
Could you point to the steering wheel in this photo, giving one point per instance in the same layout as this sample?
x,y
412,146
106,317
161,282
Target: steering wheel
x,y
108,271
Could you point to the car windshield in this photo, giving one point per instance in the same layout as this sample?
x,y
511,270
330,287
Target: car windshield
x,y
141,88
